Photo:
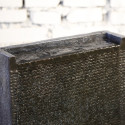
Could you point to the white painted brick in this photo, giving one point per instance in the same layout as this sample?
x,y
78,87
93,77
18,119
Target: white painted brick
x,y
85,15
63,10
122,31
117,17
117,3
13,16
68,30
41,3
84,3
45,17
21,35
10,3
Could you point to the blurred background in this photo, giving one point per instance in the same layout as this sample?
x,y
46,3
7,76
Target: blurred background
x,y
24,21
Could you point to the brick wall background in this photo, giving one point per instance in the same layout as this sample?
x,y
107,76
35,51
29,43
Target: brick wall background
x,y
23,21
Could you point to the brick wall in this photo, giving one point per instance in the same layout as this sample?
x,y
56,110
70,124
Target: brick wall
x,y
23,21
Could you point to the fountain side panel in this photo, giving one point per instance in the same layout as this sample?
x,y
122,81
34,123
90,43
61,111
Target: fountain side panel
x,y
5,100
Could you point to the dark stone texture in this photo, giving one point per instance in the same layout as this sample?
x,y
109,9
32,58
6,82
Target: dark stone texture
x,y
79,89
77,80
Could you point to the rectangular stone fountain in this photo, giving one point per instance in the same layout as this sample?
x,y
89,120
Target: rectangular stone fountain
x,y
77,80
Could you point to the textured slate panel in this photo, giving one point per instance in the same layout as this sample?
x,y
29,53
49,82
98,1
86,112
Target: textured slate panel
x,y
80,89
